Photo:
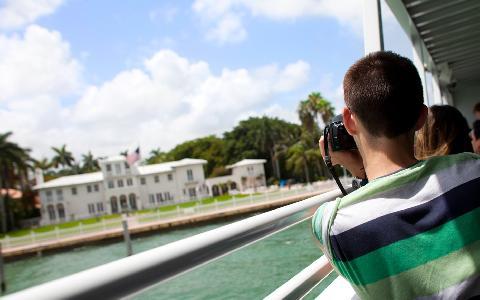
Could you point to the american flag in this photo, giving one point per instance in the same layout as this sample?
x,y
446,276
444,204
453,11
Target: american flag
x,y
133,157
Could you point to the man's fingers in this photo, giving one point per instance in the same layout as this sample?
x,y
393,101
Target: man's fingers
x,y
321,144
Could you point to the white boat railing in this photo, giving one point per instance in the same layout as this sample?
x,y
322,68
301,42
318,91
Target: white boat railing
x,y
302,283
134,274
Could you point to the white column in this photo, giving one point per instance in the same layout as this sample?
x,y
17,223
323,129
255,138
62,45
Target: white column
x,y
372,26
419,64
437,92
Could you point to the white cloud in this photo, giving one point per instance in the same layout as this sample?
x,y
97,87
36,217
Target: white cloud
x,y
225,16
18,13
332,92
37,63
228,29
166,101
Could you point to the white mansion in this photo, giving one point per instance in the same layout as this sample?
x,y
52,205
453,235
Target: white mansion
x,y
119,187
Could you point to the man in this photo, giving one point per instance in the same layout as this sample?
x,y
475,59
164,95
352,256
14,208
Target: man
x,y
475,136
414,229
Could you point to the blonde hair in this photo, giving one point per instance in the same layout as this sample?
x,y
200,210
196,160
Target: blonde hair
x,y
445,132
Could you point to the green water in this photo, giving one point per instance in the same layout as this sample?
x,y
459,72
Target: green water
x,y
250,273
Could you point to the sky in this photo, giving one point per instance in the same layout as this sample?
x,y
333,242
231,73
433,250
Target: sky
x,y
105,76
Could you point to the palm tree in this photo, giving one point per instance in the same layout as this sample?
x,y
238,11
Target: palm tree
x,y
306,115
62,157
44,164
297,159
320,106
90,164
14,162
157,156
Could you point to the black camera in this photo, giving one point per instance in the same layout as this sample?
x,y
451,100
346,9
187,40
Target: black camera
x,y
337,136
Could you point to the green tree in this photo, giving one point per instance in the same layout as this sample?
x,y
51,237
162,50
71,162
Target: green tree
x,y
89,163
62,157
261,137
321,108
14,163
157,156
210,148
43,164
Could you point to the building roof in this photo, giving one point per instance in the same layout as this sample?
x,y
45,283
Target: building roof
x,y
71,180
169,166
114,158
98,176
247,162
448,29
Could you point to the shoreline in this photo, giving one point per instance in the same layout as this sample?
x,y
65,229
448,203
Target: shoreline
x,y
109,235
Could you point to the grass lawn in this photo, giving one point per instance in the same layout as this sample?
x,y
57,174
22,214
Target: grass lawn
x,y
70,224
47,228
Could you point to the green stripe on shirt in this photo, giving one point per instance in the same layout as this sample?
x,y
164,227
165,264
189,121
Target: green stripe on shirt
x,y
414,251
427,279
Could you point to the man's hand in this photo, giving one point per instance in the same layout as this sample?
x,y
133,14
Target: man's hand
x,y
352,160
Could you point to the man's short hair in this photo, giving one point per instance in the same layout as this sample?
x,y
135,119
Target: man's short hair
x,y
384,90
476,108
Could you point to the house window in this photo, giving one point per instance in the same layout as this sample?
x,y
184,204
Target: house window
x,y
89,188
129,181
189,175
167,196
51,212
109,167
74,190
142,181
170,177
100,207
114,204
159,197
192,193
184,192
111,184
95,187
118,169
120,183
151,198
91,208
156,179
49,196
61,211
59,195
127,166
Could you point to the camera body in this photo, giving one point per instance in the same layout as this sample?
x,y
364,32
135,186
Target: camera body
x,y
338,137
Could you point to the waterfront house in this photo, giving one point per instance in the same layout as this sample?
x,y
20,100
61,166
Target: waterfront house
x,y
119,187
246,176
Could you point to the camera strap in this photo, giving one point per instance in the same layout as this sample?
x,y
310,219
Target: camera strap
x,y
328,160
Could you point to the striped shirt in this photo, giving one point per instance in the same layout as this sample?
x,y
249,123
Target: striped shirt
x,y
414,234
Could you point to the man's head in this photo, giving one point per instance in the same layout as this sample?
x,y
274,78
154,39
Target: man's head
x,y
476,111
384,97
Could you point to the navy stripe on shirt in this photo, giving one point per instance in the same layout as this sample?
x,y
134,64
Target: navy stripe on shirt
x,y
406,223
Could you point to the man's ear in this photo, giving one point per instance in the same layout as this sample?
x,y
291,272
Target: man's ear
x,y
422,118
349,121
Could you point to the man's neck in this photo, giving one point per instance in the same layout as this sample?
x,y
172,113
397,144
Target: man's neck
x,y
386,156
